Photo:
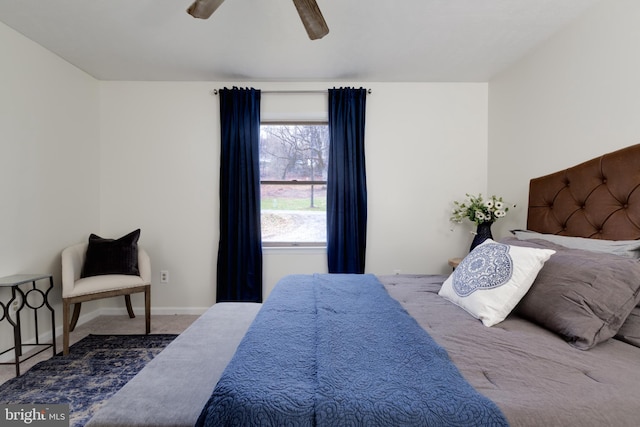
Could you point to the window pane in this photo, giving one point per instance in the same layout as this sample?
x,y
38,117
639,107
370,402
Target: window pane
x,y
293,213
289,152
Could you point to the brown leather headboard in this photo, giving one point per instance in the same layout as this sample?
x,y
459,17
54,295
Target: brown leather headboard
x,y
599,198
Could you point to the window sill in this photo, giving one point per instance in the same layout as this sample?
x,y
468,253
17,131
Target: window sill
x,y
294,249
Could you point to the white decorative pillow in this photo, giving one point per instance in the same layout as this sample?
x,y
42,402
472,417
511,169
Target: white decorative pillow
x,y
493,278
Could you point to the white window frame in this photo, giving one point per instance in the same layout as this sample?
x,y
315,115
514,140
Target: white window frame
x,y
293,244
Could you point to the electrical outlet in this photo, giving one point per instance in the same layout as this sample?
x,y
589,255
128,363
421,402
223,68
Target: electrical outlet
x,y
164,276
396,271
14,306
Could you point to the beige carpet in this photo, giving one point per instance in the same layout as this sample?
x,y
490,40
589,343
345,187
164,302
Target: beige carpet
x,y
160,324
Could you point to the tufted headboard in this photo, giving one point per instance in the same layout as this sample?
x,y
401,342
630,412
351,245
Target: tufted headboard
x,y
599,198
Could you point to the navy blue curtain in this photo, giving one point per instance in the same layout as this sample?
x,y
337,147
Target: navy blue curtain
x,y
346,182
239,275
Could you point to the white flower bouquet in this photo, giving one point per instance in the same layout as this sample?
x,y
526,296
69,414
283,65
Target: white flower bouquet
x,y
478,210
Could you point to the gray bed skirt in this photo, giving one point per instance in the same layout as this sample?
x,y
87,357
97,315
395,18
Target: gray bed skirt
x,y
174,387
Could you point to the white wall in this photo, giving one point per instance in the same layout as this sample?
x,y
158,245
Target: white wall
x,y
426,144
81,156
575,98
159,165
48,161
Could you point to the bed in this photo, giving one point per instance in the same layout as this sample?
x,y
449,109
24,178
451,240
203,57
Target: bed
x,y
567,353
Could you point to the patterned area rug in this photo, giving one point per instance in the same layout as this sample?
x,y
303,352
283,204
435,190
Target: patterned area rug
x,y
95,369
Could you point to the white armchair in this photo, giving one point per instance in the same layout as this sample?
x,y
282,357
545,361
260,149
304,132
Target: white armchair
x,y
76,290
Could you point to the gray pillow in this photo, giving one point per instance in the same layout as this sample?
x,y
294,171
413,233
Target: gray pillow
x,y
625,248
583,296
630,330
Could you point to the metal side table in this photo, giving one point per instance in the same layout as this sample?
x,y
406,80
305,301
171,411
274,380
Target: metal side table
x,y
33,298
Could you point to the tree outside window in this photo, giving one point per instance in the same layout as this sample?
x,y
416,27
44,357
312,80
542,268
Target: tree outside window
x,y
293,175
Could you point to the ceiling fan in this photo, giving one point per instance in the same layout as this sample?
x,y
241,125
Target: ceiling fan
x,y
308,10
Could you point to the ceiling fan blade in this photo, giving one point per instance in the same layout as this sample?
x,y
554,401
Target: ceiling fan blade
x,y
312,18
203,9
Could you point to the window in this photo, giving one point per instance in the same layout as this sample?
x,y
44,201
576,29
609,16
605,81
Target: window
x,y
293,183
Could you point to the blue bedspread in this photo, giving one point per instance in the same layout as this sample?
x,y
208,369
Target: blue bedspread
x,y
337,350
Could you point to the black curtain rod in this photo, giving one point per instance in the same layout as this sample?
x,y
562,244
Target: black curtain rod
x,y
215,91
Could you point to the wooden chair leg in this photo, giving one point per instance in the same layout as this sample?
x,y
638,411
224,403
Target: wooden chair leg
x,y
147,309
127,299
65,328
76,315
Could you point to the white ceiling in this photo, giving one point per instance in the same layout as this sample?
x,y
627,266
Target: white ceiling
x,y
264,40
